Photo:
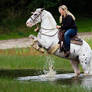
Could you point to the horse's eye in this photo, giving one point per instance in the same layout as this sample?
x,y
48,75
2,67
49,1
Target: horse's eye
x,y
35,14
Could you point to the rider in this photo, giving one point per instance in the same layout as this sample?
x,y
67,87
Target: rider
x,y
67,21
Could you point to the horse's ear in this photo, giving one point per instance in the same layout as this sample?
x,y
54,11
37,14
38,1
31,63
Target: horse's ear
x,y
32,12
42,9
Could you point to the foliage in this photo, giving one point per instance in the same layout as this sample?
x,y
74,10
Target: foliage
x,y
14,13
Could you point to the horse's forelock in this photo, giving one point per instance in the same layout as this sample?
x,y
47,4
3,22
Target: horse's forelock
x,y
39,9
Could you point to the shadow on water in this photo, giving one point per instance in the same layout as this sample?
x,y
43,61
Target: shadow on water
x,y
25,72
19,72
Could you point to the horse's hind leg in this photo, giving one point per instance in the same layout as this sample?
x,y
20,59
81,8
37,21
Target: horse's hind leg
x,y
75,67
85,62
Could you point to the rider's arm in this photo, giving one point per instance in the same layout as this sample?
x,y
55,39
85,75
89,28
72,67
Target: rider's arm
x,y
68,23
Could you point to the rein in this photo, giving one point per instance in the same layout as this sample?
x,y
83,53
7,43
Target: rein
x,y
48,29
49,35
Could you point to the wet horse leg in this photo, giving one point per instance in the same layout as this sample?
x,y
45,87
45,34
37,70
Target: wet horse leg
x,y
75,67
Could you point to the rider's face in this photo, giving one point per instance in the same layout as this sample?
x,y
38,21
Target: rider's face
x,y
61,11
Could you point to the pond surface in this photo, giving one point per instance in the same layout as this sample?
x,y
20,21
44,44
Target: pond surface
x,y
28,75
68,79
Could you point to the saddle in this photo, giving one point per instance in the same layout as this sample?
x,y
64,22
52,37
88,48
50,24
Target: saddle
x,y
74,40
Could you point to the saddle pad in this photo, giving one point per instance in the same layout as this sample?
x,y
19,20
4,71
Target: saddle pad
x,y
77,41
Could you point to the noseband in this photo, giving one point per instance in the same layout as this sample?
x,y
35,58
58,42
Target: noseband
x,y
37,16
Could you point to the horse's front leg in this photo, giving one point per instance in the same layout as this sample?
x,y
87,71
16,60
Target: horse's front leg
x,y
75,67
35,42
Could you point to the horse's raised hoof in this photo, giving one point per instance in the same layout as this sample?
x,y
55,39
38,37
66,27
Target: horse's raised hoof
x,y
31,37
41,50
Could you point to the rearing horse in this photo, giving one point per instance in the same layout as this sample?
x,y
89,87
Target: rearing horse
x,y
48,37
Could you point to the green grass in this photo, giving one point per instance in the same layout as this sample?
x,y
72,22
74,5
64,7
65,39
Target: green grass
x,y
21,62
18,32
15,28
89,42
15,62
32,62
84,24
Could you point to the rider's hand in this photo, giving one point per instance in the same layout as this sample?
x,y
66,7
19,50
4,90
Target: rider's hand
x,y
58,26
37,29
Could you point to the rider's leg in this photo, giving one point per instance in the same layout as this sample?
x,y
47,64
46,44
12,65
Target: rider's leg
x,y
68,34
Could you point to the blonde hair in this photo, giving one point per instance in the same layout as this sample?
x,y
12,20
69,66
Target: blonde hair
x,y
64,7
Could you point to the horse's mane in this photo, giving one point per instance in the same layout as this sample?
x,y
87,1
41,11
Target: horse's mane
x,y
50,19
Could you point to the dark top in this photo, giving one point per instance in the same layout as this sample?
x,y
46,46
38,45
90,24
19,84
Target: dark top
x,y
68,22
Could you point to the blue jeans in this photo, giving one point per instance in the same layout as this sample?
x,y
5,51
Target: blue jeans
x,y
67,37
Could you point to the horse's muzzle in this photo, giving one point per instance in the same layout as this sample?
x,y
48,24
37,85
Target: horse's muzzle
x,y
28,24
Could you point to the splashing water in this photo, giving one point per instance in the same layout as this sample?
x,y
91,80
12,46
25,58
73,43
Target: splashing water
x,y
50,74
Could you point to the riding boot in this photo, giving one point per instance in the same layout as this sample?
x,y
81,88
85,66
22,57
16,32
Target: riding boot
x,y
66,53
61,46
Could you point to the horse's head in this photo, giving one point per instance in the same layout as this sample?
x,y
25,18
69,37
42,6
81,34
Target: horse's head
x,y
35,18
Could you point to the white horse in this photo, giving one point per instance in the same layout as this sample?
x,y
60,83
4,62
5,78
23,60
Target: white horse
x,y
48,37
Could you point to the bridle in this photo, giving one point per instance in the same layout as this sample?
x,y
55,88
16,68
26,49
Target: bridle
x,y
37,16
42,27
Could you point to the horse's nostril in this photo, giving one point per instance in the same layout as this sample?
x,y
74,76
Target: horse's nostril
x,y
26,22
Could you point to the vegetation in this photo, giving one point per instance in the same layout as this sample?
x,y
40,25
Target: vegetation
x,y
14,13
29,58
31,62
8,85
17,28
24,62
84,24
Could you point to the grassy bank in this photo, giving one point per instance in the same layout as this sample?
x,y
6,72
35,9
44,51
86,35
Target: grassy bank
x,y
19,62
29,58
32,62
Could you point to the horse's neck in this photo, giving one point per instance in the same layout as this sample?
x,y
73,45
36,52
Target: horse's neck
x,y
48,32
48,22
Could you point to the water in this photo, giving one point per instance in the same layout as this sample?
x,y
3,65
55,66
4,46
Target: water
x,y
49,73
28,75
64,79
